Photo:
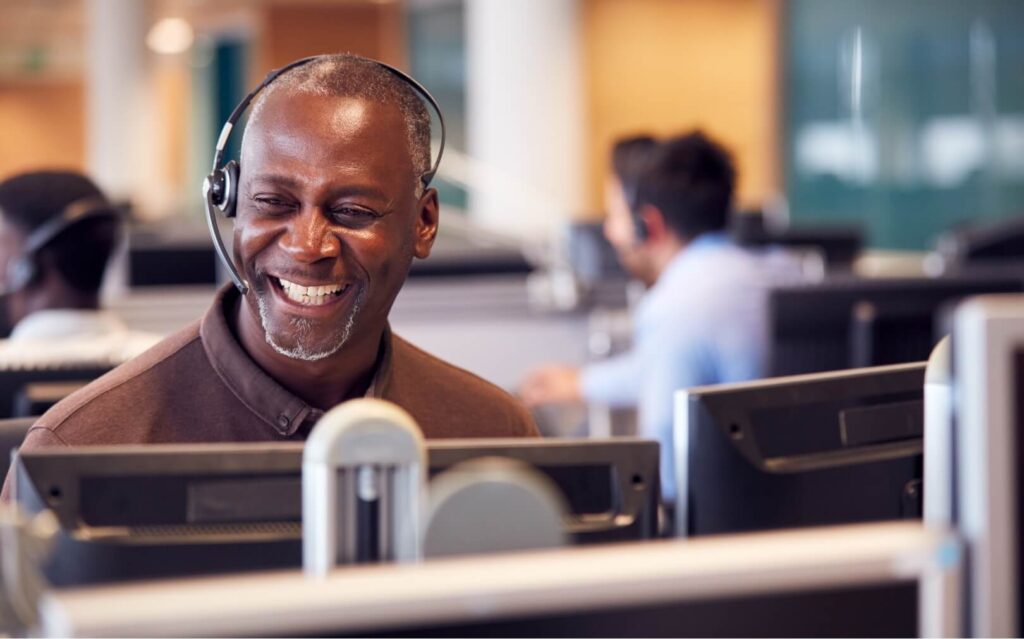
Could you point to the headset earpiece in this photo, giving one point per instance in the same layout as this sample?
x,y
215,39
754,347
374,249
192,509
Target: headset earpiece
x,y
213,186
640,228
230,205
632,197
223,187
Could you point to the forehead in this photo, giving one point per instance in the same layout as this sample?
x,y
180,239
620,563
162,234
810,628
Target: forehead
x,y
305,133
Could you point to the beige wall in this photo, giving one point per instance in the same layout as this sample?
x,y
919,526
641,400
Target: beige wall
x,y
649,65
663,67
43,126
294,30
172,112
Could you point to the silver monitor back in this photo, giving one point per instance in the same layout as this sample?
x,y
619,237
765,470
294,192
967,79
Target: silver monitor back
x,y
938,436
758,584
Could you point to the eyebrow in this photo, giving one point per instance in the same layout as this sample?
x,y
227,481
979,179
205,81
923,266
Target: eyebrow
x,y
279,180
290,182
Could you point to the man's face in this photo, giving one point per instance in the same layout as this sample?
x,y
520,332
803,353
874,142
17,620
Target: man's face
x,y
620,230
328,220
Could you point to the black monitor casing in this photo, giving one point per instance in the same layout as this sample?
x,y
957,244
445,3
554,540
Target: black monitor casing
x,y
30,390
134,512
830,448
849,322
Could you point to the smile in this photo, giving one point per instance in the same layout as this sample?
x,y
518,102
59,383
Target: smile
x,y
310,295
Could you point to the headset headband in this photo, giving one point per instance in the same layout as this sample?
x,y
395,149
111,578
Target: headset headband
x,y
236,114
77,211
220,188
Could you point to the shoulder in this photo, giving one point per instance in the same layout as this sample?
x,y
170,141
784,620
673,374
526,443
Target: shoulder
x,y
105,404
448,401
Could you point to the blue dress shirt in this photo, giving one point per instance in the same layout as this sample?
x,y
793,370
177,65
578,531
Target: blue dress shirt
x,y
703,322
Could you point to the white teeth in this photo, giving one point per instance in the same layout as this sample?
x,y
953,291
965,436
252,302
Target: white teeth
x,y
312,295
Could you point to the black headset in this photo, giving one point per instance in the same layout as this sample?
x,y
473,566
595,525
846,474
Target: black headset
x,y
220,188
22,270
631,194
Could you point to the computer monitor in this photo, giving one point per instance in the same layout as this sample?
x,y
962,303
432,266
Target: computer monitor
x,y
838,245
827,448
897,331
886,580
591,255
28,391
468,263
162,254
814,327
988,441
998,243
181,265
462,249
134,512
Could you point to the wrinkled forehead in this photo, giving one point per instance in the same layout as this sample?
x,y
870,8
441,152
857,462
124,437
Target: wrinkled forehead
x,y
326,120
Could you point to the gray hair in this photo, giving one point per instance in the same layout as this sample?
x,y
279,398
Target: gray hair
x,y
348,75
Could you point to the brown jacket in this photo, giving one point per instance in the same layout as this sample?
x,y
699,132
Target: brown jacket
x,y
199,385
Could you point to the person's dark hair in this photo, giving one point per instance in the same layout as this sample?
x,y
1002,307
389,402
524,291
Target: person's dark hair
x,y
79,254
347,75
690,179
628,157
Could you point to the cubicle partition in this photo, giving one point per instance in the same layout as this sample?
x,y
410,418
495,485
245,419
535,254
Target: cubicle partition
x,y
988,454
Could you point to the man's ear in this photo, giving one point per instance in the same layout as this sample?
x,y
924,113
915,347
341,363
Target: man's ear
x,y
427,219
654,220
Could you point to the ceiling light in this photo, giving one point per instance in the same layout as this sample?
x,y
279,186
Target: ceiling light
x,y
170,36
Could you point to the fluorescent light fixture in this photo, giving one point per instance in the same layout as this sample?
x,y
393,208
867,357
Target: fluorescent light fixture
x,y
170,36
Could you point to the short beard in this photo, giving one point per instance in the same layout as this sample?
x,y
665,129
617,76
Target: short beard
x,y
302,327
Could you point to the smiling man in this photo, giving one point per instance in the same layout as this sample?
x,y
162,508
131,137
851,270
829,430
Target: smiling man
x,y
331,212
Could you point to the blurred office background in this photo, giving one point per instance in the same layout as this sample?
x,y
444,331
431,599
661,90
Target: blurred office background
x,y
904,117
899,120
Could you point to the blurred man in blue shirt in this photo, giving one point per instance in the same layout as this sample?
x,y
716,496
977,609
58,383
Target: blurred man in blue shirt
x,y
702,319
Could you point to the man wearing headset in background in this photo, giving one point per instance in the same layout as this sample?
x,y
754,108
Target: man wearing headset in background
x,y
332,206
612,382
57,234
702,318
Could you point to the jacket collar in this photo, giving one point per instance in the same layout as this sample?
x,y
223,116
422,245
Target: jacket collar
x,y
261,393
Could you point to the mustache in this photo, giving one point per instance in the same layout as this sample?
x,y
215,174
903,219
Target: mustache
x,y
301,275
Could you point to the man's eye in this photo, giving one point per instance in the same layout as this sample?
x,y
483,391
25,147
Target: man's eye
x,y
272,204
353,213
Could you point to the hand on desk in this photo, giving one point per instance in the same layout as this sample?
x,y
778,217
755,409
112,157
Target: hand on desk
x,y
551,384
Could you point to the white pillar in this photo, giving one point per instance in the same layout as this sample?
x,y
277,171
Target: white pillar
x,y
525,113
117,155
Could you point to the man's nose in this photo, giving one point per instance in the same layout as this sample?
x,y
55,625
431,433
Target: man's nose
x,y
310,238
